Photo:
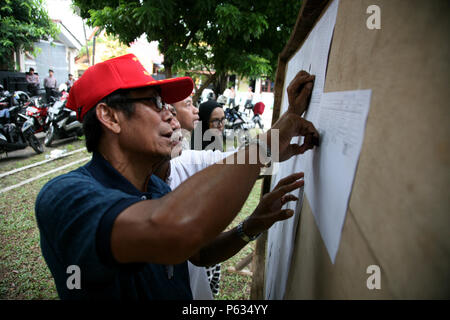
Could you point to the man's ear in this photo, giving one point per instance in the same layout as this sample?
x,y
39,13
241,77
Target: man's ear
x,y
108,117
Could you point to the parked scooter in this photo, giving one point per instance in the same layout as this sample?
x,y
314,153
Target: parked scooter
x,y
234,118
6,99
237,126
62,123
237,119
258,110
37,111
16,131
38,108
17,98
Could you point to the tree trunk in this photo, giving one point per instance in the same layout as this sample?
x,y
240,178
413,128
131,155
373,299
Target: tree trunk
x,y
168,70
211,78
220,84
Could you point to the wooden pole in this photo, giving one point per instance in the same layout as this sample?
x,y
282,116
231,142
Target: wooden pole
x,y
244,262
257,289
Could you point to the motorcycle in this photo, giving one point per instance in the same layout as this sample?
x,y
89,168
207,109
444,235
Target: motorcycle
x,y
62,123
16,131
6,99
238,125
258,121
38,108
20,98
237,120
37,111
258,110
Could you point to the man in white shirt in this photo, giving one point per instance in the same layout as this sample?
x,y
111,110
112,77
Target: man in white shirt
x,y
33,82
183,167
50,84
187,115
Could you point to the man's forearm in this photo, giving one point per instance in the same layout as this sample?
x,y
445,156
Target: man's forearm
x,y
210,199
226,245
173,228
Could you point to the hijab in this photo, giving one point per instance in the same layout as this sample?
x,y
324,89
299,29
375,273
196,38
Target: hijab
x,y
205,110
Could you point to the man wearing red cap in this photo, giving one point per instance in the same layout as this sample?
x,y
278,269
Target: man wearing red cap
x,y
118,224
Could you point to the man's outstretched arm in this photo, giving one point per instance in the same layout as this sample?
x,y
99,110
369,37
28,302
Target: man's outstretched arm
x,y
268,211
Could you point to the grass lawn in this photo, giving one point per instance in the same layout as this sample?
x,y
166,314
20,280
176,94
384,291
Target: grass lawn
x,y
23,272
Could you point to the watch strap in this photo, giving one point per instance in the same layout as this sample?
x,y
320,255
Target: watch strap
x,y
245,236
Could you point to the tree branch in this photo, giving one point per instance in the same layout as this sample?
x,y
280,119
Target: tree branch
x,y
209,80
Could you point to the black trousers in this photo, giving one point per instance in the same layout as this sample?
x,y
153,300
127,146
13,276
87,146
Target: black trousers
x,y
48,93
33,89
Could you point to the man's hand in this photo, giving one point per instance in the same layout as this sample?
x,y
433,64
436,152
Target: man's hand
x,y
269,208
269,211
291,124
299,91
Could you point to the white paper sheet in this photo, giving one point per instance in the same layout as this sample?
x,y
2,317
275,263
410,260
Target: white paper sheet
x,y
312,57
330,169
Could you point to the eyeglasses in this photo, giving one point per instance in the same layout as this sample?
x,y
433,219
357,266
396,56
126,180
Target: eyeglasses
x,y
218,122
151,101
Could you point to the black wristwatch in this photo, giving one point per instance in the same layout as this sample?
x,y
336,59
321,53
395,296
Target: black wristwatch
x,y
245,236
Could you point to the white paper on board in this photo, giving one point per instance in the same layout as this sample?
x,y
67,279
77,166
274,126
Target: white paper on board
x,y
330,169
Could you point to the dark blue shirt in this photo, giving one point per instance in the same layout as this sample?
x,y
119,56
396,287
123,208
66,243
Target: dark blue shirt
x,y
75,213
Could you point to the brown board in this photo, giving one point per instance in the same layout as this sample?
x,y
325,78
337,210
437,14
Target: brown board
x,y
399,210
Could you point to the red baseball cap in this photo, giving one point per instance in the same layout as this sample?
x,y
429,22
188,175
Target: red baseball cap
x,y
124,72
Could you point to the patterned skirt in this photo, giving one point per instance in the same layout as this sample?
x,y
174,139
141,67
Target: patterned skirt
x,y
213,274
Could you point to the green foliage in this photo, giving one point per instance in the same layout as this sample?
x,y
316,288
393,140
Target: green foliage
x,y
22,22
252,34
113,47
228,36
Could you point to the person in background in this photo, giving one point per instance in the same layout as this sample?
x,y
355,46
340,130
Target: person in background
x,y
248,103
70,82
212,119
176,173
187,115
50,85
204,281
212,116
232,97
226,93
212,124
33,82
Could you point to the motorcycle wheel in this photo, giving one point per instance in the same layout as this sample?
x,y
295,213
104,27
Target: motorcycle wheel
x,y
35,144
49,136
